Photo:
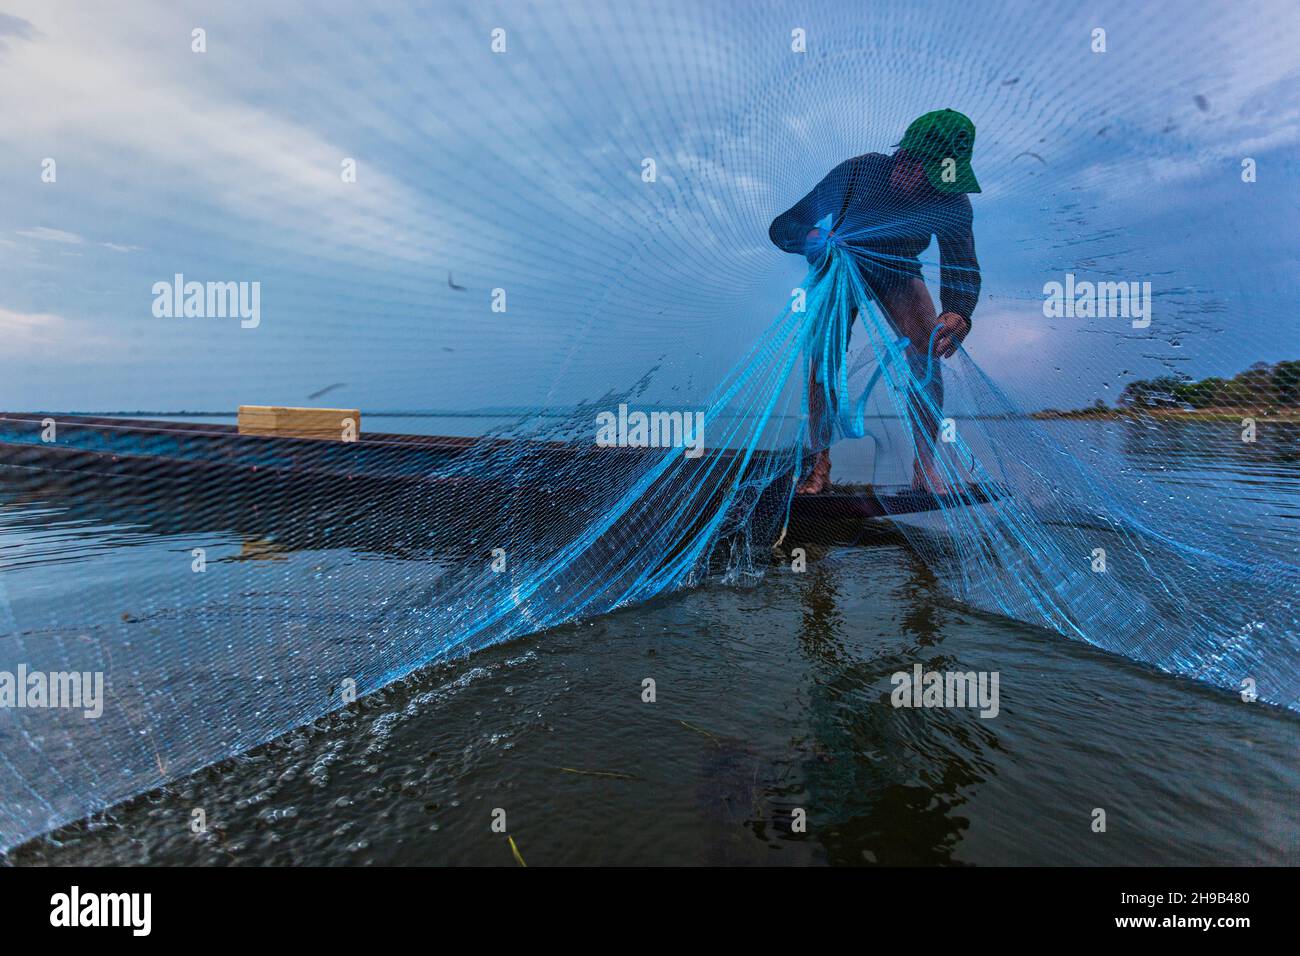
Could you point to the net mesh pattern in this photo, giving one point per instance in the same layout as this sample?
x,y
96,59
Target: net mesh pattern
x,y
614,175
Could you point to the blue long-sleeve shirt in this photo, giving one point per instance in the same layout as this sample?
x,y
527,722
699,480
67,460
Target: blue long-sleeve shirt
x,y
889,230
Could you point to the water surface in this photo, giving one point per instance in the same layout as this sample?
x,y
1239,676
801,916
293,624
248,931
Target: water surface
x,y
769,700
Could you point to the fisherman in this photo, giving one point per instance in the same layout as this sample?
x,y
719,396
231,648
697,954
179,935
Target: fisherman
x,y
886,210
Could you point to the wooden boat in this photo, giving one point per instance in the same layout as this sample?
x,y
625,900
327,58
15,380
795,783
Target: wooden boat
x,y
187,458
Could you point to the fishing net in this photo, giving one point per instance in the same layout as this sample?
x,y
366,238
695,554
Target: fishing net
x,y
560,235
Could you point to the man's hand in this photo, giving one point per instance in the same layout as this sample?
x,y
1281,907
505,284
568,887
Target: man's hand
x,y
814,245
955,328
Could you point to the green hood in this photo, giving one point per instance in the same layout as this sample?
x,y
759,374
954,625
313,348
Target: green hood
x,y
943,141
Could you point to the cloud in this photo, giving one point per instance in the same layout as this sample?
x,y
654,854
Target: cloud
x,y
11,26
52,337
82,79
46,234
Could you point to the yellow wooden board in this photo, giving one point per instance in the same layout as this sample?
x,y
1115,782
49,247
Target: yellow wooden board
x,y
336,424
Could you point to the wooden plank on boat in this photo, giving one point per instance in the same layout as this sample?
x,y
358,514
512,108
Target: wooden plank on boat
x,y
337,424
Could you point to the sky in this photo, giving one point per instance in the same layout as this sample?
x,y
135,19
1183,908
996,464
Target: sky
x,y
522,170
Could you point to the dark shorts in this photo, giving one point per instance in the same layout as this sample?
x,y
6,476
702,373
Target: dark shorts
x,y
886,280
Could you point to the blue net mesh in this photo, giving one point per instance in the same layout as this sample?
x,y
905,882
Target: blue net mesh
x,y
569,234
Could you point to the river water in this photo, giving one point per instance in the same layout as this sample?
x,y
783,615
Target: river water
x,y
772,706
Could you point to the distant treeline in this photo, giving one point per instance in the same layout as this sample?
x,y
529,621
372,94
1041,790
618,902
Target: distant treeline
x,y
1262,385
1274,386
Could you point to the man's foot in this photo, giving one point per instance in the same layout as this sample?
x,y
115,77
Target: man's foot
x,y
819,478
926,477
